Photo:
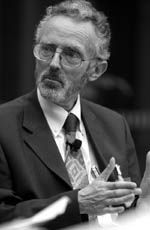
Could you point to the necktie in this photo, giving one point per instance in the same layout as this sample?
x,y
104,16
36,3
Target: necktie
x,y
74,160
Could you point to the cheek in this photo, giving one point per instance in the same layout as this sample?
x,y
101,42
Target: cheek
x,y
40,68
77,74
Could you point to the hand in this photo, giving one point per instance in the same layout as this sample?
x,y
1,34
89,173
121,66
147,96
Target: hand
x,y
144,200
100,196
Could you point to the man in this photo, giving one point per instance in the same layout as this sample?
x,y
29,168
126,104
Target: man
x,y
71,49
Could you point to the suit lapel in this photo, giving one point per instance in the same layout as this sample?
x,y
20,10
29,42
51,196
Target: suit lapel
x,y
39,137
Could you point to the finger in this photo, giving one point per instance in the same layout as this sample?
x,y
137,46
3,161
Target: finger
x,y
110,209
119,193
147,170
121,185
120,200
145,184
137,191
108,170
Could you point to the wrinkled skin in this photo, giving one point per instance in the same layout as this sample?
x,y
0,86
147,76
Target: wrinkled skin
x,y
60,84
101,197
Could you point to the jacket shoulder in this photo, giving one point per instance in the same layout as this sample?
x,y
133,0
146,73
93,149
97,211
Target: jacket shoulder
x,y
14,105
101,111
12,110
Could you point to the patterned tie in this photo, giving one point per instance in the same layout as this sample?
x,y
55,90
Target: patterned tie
x,y
74,160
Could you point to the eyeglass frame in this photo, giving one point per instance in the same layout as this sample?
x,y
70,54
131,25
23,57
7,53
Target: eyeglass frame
x,y
36,55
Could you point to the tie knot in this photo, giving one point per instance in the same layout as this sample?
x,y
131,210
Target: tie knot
x,y
71,123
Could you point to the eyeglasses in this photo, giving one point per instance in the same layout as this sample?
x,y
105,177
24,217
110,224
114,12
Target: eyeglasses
x,y
69,57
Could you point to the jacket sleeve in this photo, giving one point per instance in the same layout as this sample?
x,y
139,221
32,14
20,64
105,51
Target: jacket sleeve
x,y
13,206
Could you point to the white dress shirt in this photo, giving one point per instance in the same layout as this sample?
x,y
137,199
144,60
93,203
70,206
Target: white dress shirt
x,y
56,116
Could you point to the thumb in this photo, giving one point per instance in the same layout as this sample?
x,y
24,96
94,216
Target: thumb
x,y
108,170
145,184
147,170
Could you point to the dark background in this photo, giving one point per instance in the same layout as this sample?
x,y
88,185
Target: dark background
x,y
125,87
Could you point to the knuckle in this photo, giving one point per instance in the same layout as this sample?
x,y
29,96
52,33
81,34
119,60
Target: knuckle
x,y
113,185
131,196
114,193
115,200
120,209
107,202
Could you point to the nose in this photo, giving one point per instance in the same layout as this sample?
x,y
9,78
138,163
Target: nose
x,y
55,62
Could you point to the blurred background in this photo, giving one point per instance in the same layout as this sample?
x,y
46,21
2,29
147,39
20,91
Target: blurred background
x,y
125,87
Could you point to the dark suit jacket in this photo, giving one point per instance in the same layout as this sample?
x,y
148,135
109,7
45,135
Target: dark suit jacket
x,y
32,173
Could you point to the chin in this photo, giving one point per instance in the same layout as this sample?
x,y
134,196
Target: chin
x,y
55,96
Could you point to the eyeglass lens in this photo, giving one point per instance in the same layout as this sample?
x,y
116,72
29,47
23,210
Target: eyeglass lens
x,y
68,55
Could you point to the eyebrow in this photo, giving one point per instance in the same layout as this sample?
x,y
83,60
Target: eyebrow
x,y
75,48
70,46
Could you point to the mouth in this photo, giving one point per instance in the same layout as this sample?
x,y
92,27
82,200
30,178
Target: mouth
x,y
52,83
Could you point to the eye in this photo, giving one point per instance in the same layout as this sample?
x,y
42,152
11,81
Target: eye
x,y
47,50
72,53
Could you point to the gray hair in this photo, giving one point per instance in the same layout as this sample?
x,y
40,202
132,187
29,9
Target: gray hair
x,y
81,10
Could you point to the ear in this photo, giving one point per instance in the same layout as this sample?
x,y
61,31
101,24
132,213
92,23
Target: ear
x,y
98,68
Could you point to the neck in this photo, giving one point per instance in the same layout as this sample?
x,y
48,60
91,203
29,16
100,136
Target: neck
x,y
68,105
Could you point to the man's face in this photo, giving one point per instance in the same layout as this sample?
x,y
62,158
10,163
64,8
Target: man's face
x,y
57,82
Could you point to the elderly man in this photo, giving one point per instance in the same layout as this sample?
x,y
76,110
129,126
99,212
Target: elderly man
x,y
52,142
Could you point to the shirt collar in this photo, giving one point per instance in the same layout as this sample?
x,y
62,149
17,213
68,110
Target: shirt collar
x,y
56,115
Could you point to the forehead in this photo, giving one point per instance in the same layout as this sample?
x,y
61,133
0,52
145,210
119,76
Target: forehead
x,y
63,30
